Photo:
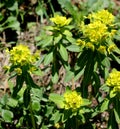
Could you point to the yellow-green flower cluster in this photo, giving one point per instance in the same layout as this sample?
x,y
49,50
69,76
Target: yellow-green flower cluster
x,y
72,100
60,20
114,80
21,56
103,16
98,34
95,31
57,125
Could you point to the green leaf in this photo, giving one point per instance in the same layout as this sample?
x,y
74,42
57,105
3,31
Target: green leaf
x,y
57,38
82,59
96,78
57,99
66,115
21,92
38,72
117,50
67,33
36,105
104,105
1,28
39,10
112,124
26,97
82,117
20,122
14,7
105,62
1,16
48,58
117,110
70,39
12,102
105,88
49,110
63,52
19,83
88,73
44,126
7,115
117,116
47,41
37,93
66,4
4,99
39,119
13,23
69,75
78,74
73,48
29,81
55,77
115,58
86,102
55,117
112,93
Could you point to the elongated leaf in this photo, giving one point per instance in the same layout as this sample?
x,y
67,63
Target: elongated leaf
x,y
105,62
63,52
82,59
55,77
26,97
57,99
49,110
67,33
66,4
86,102
19,83
71,40
48,58
88,73
29,81
117,110
115,58
112,124
112,93
78,74
69,75
57,38
117,116
13,23
104,105
96,78
46,41
14,6
74,48
56,117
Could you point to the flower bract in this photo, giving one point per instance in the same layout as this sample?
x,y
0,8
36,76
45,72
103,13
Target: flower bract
x,y
60,20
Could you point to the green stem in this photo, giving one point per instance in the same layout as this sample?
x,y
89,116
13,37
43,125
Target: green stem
x,y
51,6
77,124
32,116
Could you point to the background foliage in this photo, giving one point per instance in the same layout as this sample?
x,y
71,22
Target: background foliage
x,y
36,99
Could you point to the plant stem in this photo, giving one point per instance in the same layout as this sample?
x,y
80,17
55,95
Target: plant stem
x,y
73,84
32,116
